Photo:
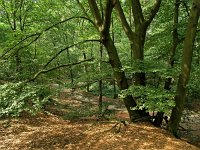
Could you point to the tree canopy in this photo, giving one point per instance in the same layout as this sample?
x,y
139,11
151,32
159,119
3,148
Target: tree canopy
x,y
146,52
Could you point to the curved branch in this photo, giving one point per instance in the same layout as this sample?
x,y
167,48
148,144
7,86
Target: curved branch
x,y
124,22
27,45
19,43
153,12
40,33
68,48
68,19
57,67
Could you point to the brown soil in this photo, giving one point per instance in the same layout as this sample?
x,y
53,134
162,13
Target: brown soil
x,y
50,132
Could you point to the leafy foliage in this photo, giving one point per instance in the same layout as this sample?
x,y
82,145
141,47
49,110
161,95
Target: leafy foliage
x,y
151,98
193,86
18,98
34,32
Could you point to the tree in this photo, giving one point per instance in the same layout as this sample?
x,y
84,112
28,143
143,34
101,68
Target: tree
x,y
16,14
103,27
190,35
133,47
138,36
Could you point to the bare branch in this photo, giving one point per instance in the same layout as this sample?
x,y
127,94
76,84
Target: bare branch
x,y
76,44
58,67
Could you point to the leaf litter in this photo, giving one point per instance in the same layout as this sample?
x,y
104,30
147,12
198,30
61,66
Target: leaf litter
x,y
48,131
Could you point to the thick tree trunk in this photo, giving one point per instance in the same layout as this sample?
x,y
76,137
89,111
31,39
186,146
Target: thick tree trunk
x,y
185,68
137,38
137,48
120,76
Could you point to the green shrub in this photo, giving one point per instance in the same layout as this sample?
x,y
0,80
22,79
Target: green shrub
x,y
17,98
151,98
83,111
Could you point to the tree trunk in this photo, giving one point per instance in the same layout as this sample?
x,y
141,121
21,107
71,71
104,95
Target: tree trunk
x,y
120,77
168,81
69,61
176,41
100,96
176,114
70,70
86,71
100,81
103,26
114,90
137,37
137,48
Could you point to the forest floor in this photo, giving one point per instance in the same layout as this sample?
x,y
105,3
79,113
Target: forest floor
x,y
72,123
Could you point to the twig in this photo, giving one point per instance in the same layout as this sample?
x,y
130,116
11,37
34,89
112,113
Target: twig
x,y
117,130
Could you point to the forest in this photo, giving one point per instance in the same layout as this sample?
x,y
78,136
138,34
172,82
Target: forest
x,y
130,67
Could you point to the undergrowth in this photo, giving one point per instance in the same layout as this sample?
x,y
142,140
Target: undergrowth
x,y
18,98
